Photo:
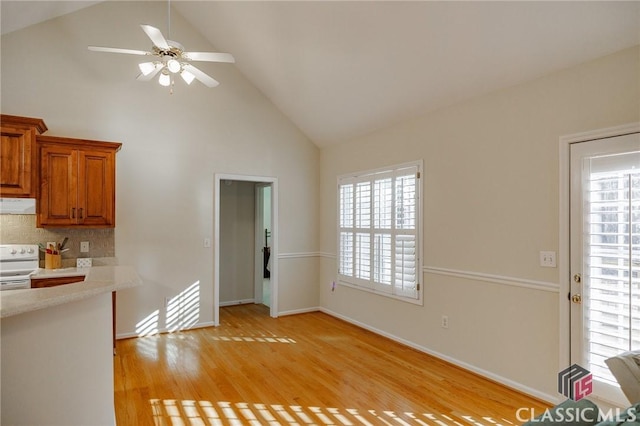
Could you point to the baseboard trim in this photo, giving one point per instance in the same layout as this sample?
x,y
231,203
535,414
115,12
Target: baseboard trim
x,y
464,365
164,330
237,302
299,311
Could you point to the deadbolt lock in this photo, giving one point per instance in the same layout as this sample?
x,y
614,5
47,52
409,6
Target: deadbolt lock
x,y
576,298
577,278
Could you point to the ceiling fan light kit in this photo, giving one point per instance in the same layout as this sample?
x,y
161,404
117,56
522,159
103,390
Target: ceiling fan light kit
x,y
170,58
147,68
173,65
164,79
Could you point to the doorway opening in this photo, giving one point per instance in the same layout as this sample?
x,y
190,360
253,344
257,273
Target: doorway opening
x,y
245,242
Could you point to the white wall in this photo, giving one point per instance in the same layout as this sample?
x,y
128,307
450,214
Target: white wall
x,y
490,205
237,241
172,147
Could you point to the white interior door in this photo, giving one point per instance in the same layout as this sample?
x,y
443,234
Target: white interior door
x,y
605,256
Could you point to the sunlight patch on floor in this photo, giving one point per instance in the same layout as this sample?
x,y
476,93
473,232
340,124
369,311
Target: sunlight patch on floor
x,y
252,339
172,412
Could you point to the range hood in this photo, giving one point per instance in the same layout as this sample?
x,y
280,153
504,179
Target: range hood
x,y
17,206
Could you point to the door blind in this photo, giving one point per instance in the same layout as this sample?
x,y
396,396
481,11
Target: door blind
x,y
612,240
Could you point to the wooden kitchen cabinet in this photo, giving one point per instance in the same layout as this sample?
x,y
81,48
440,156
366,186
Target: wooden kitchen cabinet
x,y
77,183
55,281
18,161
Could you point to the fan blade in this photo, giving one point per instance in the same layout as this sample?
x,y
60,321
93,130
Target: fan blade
x,y
118,50
209,56
142,77
156,36
202,77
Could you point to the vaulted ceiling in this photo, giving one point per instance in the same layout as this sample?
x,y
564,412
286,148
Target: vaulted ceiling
x,y
341,69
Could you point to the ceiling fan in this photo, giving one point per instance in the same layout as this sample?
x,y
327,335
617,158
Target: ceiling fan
x,y
168,58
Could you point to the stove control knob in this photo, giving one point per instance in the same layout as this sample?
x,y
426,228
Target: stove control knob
x,y
14,251
30,251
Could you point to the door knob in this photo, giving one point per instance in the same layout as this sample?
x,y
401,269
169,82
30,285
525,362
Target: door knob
x,y
576,298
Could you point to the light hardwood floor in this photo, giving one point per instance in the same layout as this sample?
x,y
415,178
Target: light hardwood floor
x,y
308,369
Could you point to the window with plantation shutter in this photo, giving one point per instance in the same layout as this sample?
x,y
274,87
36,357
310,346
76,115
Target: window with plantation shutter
x,y
378,229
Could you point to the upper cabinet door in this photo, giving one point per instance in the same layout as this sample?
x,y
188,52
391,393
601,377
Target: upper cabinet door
x,y
96,188
58,201
18,166
77,183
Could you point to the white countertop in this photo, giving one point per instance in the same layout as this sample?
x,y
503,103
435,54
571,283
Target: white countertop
x,y
62,272
98,279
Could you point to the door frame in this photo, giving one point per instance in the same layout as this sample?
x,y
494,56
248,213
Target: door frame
x,y
269,181
564,259
259,242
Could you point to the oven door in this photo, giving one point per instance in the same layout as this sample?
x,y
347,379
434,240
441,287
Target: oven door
x,y
15,284
11,280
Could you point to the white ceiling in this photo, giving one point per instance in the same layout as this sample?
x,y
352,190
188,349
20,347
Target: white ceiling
x,y
340,69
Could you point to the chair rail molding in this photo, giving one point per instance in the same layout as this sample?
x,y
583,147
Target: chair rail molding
x,y
495,279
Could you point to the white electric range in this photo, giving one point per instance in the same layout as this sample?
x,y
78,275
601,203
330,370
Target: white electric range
x,y
17,263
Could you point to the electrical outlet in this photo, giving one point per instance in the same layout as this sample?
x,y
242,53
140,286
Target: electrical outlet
x,y
548,259
445,322
207,243
84,247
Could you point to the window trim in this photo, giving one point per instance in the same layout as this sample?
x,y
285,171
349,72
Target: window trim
x,y
364,175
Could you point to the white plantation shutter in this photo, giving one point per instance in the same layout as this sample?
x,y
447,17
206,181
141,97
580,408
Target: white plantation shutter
x,y
378,231
613,261
406,277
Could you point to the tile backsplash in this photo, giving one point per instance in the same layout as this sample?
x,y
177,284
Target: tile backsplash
x,y
21,229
